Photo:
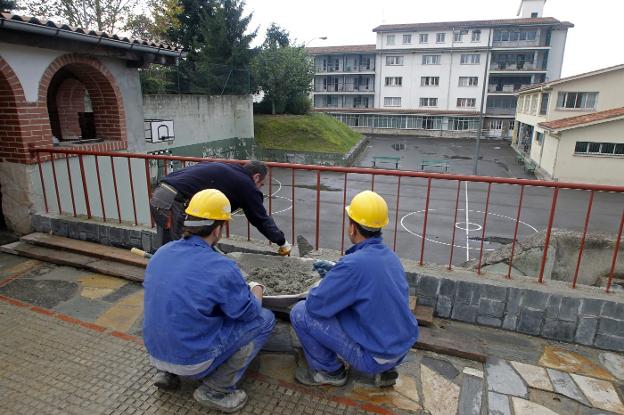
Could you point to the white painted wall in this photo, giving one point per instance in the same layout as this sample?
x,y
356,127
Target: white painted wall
x,y
597,169
555,54
201,118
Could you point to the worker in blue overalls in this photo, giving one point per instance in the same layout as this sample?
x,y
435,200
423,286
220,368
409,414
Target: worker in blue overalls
x,y
359,315
202,320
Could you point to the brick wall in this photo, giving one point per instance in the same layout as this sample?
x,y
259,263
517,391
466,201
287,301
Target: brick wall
x,y
69,101
28,123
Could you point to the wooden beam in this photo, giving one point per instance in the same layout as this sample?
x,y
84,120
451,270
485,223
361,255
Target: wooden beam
x,y
85,248
445,342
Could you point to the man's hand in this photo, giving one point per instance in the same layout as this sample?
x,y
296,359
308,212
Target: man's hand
x,y
322,266
285,249
257,289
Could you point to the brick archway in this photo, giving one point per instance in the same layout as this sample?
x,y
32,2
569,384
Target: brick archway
x,y
12,101
64,83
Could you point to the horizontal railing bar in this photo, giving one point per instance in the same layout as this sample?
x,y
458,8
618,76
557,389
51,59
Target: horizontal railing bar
x,y
355,170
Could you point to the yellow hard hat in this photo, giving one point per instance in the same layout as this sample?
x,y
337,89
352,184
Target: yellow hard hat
x,y
208,204
369,210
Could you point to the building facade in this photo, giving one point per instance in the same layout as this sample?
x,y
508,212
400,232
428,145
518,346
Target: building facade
x,y
444,70
571,128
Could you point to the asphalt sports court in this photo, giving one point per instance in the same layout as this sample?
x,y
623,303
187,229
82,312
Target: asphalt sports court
x,y
496,159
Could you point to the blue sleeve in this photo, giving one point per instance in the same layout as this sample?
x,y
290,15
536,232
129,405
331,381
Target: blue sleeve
x,y
238,303
336,292
258,217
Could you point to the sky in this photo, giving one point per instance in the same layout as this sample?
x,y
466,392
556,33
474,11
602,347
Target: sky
x,y
595,41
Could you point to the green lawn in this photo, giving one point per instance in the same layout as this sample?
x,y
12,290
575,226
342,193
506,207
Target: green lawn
x,y
314,132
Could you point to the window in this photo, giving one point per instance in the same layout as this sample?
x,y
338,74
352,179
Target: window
x,y
392,101
440,37
468,80
476,35
539,137
507,36
544,104
534,98
390,40
534,15
458,35
609,149
429,81
428,102
463,123
424,38
394,60
577,100
470,59
407,39
431,59
496,124
394,80
466,102
512,124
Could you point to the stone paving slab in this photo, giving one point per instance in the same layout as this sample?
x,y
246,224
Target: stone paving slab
x,y
51,366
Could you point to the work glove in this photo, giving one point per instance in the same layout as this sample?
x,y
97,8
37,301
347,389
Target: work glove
x,y
323,267
254,284
284,250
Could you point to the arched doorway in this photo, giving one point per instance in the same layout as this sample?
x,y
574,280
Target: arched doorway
x,y
83,101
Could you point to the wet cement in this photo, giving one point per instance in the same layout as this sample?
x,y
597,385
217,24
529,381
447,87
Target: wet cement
x,y
282,280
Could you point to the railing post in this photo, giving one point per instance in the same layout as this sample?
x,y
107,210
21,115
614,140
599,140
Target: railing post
x,y
551,220
344,206
56,189
318,207
515,236
578,261
71,186
136,221
424,232
292,216
84,186
487,207
450,265
148,182
396,214
116,190
615,253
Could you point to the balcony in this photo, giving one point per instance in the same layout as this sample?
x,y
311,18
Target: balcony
x,y
345,69
505,89
500,111
345,88
516,67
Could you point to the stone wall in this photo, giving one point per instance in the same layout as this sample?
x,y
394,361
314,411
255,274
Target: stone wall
x,y
592,319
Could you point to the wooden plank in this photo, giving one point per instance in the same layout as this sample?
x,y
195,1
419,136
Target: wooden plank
x,y
445,342
424,314
115,269
85,248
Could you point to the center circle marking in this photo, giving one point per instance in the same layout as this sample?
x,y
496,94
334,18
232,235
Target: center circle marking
x,y
468,226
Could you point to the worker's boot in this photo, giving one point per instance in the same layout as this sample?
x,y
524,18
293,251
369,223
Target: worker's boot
x,y
223,401
316,378
387,378
167,381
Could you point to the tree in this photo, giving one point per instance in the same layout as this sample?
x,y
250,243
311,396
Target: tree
x,y
8,5
276,37
158,23
104,15
283,74
221,54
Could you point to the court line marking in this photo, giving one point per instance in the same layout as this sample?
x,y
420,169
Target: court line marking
x,y
467,222
239,211
459,246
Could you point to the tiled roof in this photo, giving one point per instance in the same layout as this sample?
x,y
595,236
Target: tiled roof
x,y
340,49
472,24
398,111
580,120
573,77
28,21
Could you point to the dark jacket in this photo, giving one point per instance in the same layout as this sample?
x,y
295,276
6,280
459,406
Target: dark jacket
x,y
237,185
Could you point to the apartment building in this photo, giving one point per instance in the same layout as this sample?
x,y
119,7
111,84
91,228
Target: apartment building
x,y
435,76
571,128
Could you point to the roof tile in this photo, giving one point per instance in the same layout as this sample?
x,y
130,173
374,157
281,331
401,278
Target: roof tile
x,y
580,120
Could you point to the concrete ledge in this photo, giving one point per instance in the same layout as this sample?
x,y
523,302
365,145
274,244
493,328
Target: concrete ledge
x,y
553,310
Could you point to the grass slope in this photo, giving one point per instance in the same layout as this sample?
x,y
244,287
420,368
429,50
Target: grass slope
x,y
314,132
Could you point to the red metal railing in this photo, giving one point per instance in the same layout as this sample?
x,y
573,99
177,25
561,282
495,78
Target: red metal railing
x,y
138,211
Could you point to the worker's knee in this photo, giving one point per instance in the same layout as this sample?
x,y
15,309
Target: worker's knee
x,y
268,320
297,314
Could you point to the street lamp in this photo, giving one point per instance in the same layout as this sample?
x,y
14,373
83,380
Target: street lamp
x,y
313,39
